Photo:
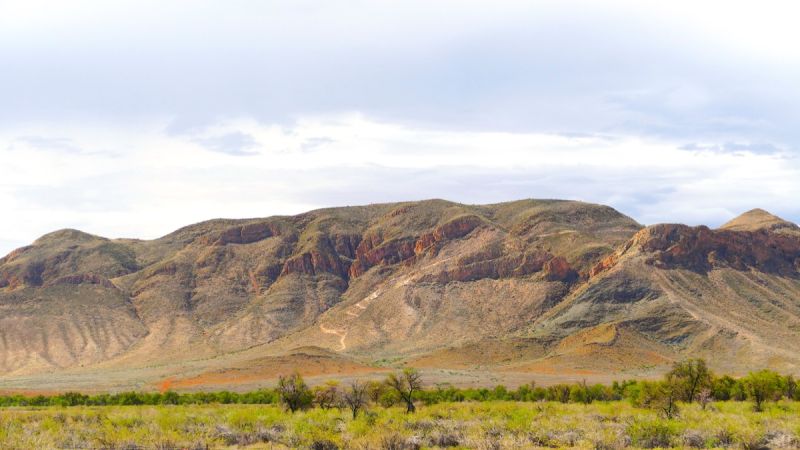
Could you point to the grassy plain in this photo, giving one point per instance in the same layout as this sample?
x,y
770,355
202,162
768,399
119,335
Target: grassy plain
x,y
479,425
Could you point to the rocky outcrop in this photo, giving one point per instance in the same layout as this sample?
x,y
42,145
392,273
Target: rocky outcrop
x,y
372,251
346,244
701,249
611,260
314,262
243,234
454,229
86,278
498,266
558,269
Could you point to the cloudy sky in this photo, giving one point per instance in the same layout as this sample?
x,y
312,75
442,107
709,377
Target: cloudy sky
x,y
133,118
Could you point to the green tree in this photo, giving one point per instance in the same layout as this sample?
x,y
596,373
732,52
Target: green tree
x,y
170,398
790,387
691,376
405,384
722,388
376,390
294,393
559,392
583,393
327,395
762,386
662,396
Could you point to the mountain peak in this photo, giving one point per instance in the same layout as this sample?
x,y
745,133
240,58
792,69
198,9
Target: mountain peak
x,y
757,219
66,235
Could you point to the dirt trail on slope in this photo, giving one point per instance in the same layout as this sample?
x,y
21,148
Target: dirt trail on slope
x,y
341,334
354,311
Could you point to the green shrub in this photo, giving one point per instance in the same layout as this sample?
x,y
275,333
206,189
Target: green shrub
x,y
651,434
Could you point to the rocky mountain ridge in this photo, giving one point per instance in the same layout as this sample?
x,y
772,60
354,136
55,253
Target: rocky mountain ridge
x,y
532,286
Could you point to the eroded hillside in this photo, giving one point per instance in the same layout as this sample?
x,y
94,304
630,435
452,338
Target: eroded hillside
x,y
529,286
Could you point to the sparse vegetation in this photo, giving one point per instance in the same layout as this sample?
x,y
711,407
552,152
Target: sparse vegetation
x,y
690,378
757,411
355,398
763,386
294,393
405,384
491,424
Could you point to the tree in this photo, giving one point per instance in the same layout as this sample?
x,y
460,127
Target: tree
x,y
659,395
170,398
762,386
327,395
691,376
790,385
355,397
375,390
294,393
559,392
739,391
723,388
404,385
582,393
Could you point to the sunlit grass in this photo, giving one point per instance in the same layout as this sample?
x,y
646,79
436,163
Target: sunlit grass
x,y
485,425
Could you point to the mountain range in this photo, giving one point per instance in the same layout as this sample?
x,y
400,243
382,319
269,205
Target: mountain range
x,y
471,294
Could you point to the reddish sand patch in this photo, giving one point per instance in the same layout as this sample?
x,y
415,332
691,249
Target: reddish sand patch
x,y
165,385
267,369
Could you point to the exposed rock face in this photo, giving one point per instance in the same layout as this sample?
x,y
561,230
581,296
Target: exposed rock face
x,y
373,251
558,269
701,249
493,265
454,229
315,262
243,234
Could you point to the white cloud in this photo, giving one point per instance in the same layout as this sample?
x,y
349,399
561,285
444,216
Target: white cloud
x,y
147,182
132,118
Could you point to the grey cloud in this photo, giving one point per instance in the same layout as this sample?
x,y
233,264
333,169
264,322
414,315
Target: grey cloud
x,y
732,147
47,143
314,143
235,144
538,71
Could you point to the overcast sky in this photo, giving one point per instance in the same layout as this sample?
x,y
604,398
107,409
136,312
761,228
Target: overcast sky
x,y
133,118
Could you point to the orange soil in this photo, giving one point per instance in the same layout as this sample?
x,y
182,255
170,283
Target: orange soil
x,y
269,369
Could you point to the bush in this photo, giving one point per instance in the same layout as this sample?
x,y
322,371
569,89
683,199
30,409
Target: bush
x,y
324,445
659,395
763,386
294,393
694,439
653,434
397,442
